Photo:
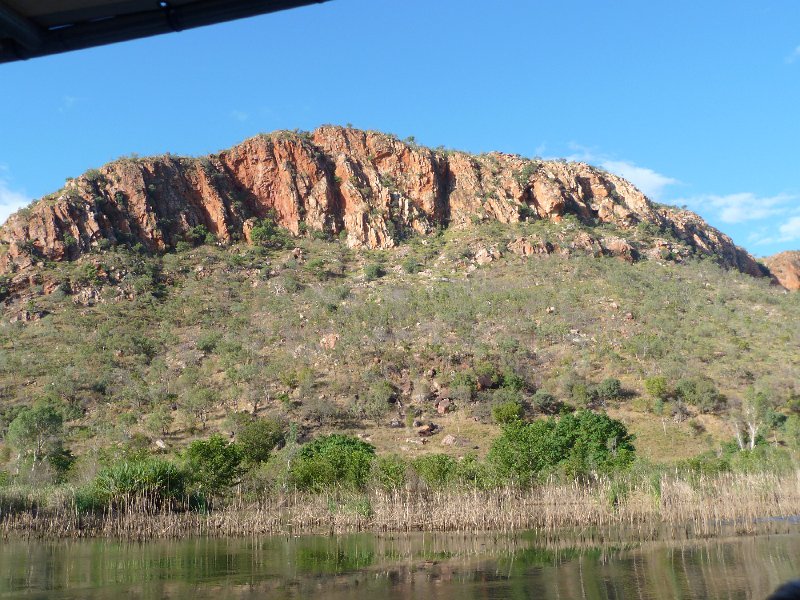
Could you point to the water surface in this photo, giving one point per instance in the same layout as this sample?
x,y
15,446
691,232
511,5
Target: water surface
x,y
373,567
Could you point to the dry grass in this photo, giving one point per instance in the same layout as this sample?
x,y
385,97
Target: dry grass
x,y
701,506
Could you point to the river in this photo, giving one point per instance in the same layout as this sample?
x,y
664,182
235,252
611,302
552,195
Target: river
x,y
377,566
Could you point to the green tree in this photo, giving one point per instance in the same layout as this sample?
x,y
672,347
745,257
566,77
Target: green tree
x,y
159,420
331,460
751,419
579,443
37,432
657,387
214,464
198,404
257,437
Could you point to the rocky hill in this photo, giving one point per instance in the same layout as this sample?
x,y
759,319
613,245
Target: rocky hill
x,y
370,188
785,267
349,281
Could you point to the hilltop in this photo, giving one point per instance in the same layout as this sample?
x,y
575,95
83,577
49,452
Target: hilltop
x,y
369,188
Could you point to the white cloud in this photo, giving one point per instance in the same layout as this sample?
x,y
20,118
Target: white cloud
x,y
10,200
743,206
793,56
650,183
790,231
239,115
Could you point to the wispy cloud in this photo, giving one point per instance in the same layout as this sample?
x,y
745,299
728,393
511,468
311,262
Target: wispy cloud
x,y
650,182
239,115
11,200
742,207
787,232
794,56
67,103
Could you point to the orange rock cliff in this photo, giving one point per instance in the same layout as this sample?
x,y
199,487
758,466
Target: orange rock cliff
x,y
785,268
368,186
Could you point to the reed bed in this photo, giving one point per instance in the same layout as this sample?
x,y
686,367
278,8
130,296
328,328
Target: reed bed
x,y
698,504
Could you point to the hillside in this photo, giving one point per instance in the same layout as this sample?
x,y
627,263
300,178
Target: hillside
x,y
345,280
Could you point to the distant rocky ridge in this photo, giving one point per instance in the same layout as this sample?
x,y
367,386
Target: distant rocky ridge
x,y
366,186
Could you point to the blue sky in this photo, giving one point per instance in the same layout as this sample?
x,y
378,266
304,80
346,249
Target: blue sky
x,y
698,103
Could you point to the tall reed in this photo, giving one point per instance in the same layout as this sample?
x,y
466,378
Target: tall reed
x,y
700,504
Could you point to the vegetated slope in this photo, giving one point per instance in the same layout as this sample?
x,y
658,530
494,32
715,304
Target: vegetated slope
x,y
166,346
367,186
347,280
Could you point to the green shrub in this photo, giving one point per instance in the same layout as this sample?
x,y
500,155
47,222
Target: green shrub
x,y
208,342
579,444
199,234
702,393
389,472
411,265
472,472
509,379
267,233
318,269
373,271
333,460
435,470
545,403
584,395
375,402
507,412
256,438
609,389
152,478
657,387
214,464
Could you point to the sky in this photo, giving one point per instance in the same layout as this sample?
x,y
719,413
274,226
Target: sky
x,y
697,103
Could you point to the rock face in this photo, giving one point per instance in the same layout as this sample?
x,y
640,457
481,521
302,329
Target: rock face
x,y
785,267
369,187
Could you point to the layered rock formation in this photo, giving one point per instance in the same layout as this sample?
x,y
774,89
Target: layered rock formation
x,y
370,187
785,267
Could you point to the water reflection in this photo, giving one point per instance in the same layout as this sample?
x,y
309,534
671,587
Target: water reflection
x,y
437,566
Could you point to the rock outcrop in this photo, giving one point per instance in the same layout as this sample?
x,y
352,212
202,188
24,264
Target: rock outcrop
x,y
785,267
369,187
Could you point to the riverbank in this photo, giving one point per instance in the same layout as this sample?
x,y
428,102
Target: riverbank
x,y
700,504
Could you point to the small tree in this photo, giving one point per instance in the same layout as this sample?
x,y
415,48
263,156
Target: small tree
x,y
214,464
657,387
751,420
333,460
36,432
198,403
507,412
257,437
159,420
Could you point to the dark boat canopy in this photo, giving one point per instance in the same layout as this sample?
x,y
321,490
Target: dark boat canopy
x,y
30,28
